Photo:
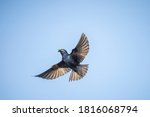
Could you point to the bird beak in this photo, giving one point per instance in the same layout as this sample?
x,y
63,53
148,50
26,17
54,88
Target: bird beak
x,y
59,50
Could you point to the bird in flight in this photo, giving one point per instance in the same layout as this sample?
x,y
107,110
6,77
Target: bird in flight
x,y
70,62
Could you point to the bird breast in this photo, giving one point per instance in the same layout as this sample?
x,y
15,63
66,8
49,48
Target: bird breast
x,y
69,60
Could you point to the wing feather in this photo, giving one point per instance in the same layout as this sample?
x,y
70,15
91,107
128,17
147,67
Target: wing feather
x,y
55,71
81,49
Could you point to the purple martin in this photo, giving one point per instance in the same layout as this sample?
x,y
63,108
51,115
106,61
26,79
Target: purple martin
x,y
70,62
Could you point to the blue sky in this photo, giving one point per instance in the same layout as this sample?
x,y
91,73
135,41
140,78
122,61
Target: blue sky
x,y
32,31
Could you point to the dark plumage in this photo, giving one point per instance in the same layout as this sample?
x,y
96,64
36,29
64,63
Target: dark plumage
x,y
70,62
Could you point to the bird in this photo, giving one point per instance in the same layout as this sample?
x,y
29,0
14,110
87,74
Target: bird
x,y
70,62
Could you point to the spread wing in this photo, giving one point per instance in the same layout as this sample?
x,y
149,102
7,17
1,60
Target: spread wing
x,y
81,49
55,71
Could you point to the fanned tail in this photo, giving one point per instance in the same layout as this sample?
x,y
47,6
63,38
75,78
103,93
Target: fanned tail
x,y
79,72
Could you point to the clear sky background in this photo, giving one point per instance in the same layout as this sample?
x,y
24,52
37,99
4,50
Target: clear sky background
x,y
32,31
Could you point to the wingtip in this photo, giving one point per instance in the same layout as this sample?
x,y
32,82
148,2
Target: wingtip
x,y
36,76
83,33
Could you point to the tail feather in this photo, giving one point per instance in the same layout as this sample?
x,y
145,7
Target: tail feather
x,y
79,72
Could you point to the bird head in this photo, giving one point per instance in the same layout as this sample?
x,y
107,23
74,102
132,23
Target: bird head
x,y
62,51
